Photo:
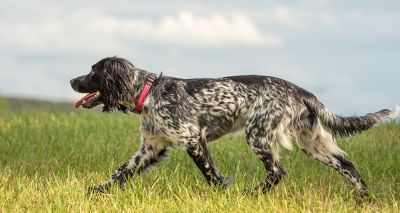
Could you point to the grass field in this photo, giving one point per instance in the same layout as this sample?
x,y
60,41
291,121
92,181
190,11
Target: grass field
x,y
47,161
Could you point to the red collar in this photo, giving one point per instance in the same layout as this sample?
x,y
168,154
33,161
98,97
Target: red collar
x,y
143,94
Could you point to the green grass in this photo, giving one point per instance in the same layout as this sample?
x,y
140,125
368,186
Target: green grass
x,y
47,161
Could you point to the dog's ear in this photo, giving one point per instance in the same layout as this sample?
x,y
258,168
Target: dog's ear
x,y
115,84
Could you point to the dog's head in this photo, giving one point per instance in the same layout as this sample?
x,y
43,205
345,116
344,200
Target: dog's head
x,y
110,81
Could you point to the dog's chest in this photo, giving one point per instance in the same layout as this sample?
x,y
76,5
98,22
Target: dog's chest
x,y
155,127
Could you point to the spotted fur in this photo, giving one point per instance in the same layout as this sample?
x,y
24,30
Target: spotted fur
x,y
190,113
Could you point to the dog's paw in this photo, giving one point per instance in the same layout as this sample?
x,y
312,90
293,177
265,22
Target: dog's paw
x,y
250,192
366,198
102,188
222,182
261,188
227,181
254,192
96,189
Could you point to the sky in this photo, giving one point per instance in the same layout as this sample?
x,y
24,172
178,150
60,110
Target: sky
x,y
345,52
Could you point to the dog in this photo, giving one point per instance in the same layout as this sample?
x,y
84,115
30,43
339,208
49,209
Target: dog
x,y
190,113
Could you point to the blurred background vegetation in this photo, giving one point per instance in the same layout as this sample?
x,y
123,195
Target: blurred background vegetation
x,y
20,104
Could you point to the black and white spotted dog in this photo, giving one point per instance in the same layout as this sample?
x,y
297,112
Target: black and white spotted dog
x,y
189,113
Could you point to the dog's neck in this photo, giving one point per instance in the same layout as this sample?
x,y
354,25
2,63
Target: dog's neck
x,y
140,81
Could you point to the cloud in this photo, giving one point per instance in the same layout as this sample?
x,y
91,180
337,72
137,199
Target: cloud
x,y
298,18
187,28
324,20
94,30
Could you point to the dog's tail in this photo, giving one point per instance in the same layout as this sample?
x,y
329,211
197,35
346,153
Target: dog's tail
x,y
347,126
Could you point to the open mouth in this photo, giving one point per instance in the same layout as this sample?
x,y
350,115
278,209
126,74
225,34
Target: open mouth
x,y
89,101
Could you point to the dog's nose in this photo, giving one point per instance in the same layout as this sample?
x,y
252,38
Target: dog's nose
x,y
73,83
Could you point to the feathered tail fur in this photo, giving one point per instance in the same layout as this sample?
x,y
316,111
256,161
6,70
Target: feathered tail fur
x,y
347,126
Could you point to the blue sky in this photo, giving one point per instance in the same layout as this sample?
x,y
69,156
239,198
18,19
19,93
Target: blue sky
x,y
346,52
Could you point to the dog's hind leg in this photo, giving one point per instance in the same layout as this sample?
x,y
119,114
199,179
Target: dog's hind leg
x,y
197,149
262,138
150,153
320,145
268,154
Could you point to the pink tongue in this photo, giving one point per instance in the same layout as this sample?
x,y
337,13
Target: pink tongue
x,y
86,98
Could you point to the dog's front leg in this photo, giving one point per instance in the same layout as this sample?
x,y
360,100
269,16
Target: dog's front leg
x,y
198,151
148,154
